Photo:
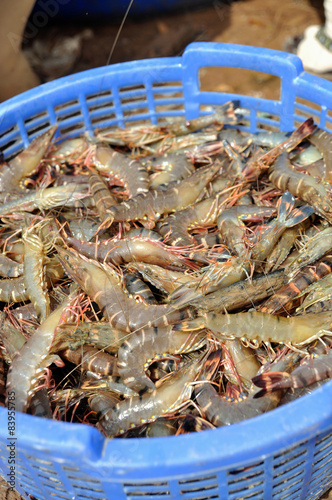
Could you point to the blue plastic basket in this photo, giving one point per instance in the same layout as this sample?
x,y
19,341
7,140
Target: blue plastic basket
x,y
284,454
101,9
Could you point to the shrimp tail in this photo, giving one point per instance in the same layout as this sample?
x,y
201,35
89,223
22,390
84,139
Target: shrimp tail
x,y
305,129
288,215
210,366
270,382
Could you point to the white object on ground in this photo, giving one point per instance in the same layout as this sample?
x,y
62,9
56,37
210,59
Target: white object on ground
x,y
315,49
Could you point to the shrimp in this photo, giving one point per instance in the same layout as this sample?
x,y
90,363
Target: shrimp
x,y
288,216
232,228
137,352
283,247
163,279
68,151
262,327
176,226
310,371
260,163
101,194
212,277
243,359
34,271
163,200
140,136
130,172
32,360
11,338
99,334
242,294
26,162
45,199
91,358
220,411
10,268
299,283
322,140
13,290
120,251
284,176
138,288
172,391
169,167
313,249
319,291
103,286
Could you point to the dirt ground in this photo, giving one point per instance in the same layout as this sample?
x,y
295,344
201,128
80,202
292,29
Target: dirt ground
x,y
269,24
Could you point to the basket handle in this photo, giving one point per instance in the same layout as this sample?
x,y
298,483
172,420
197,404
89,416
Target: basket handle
x,y
202,54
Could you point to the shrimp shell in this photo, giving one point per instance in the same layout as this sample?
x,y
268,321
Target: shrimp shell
x,y
142,347
263,327
30,363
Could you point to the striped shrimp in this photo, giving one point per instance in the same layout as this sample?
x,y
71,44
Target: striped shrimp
x,y
165,280
284,245
130,172
310,371
168,167
222,411
26,162
137,352
313,248
143,136
288,216
232,228
103,286
322,140
284,176
243,293
92,359
33,359
308,275
45,199
101,194
163,200
177,225
15,289
138,288
35,272
262,327
171,392
121,251
260,163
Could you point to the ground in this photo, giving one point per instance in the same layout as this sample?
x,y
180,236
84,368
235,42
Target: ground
x,y
271,24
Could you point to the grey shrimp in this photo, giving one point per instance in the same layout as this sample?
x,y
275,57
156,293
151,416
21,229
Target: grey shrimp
x,y
32,360
142,347
171,392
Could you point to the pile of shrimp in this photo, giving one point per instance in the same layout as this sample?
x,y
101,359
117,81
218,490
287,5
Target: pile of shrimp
x,y
161,280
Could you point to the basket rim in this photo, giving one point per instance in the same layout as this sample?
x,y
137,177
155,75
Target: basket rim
x,y
265,434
